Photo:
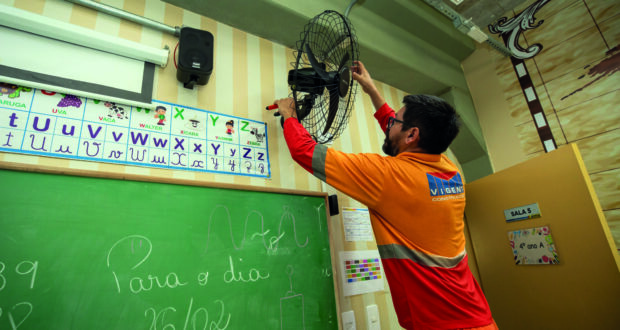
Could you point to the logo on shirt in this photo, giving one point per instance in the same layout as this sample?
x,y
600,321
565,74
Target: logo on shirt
x,y
442,184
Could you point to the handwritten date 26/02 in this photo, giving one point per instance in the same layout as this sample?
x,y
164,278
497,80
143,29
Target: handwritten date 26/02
x,y
198,319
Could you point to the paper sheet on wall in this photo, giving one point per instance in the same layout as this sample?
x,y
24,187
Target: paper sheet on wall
x,y
361,271
356,224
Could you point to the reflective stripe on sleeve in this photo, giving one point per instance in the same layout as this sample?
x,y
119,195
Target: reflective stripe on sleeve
x,y
318,161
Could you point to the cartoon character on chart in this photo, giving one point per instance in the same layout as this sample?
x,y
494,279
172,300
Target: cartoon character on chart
x,y
193,124
259,136
230,127
160,113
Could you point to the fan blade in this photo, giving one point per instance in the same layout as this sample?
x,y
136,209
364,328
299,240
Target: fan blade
x,y
334,101
343,61
315,64
344,79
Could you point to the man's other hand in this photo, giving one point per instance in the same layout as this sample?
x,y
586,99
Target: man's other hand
x,y
361,75
286,107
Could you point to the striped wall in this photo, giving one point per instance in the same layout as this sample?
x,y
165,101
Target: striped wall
x,y
580,99
249,73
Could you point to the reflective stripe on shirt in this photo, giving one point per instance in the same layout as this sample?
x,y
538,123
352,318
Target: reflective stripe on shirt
x,y
396,251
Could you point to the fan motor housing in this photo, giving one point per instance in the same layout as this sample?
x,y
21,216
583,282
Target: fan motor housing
x,y
195,60
307,81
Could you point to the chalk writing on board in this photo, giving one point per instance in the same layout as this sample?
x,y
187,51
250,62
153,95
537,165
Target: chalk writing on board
x,y
138,284
290,305
197,322
253,274
203,278
273,240
22,309
288,215
16,307
132,237
2,278
318,216
228,218
20,270
273,243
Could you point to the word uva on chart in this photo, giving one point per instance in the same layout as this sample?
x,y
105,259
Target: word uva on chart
x,y
167,136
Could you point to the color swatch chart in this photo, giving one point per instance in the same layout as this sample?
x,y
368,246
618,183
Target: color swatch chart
x,y
362,270
169,135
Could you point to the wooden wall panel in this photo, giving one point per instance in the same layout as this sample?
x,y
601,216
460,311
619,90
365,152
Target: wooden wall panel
x,y
572,54
551,8
529,136
578,86
519,110
572,20
501,63
579,95
510,83
603,9
601,152
595,116
607,186
609,29
613,219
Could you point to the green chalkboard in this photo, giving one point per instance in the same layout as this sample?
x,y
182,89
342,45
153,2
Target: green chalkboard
x,y
96,253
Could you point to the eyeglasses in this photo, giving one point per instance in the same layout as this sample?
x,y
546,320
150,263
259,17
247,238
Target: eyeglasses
x,y
391,121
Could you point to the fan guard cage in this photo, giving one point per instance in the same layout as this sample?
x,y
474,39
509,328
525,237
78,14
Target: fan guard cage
x,y
330,35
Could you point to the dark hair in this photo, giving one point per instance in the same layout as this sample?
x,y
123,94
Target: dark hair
x,y
160,107
437,121
231,123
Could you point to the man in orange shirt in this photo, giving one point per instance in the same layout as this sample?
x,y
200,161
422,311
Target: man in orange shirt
x,y
416,200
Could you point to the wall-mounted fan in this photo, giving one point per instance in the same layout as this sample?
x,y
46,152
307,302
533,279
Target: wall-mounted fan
x,y
321,81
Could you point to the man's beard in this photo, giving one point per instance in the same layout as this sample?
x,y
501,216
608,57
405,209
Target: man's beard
x,y
388,148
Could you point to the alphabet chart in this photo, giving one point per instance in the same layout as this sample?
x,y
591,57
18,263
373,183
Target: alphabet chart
x,y
170,136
